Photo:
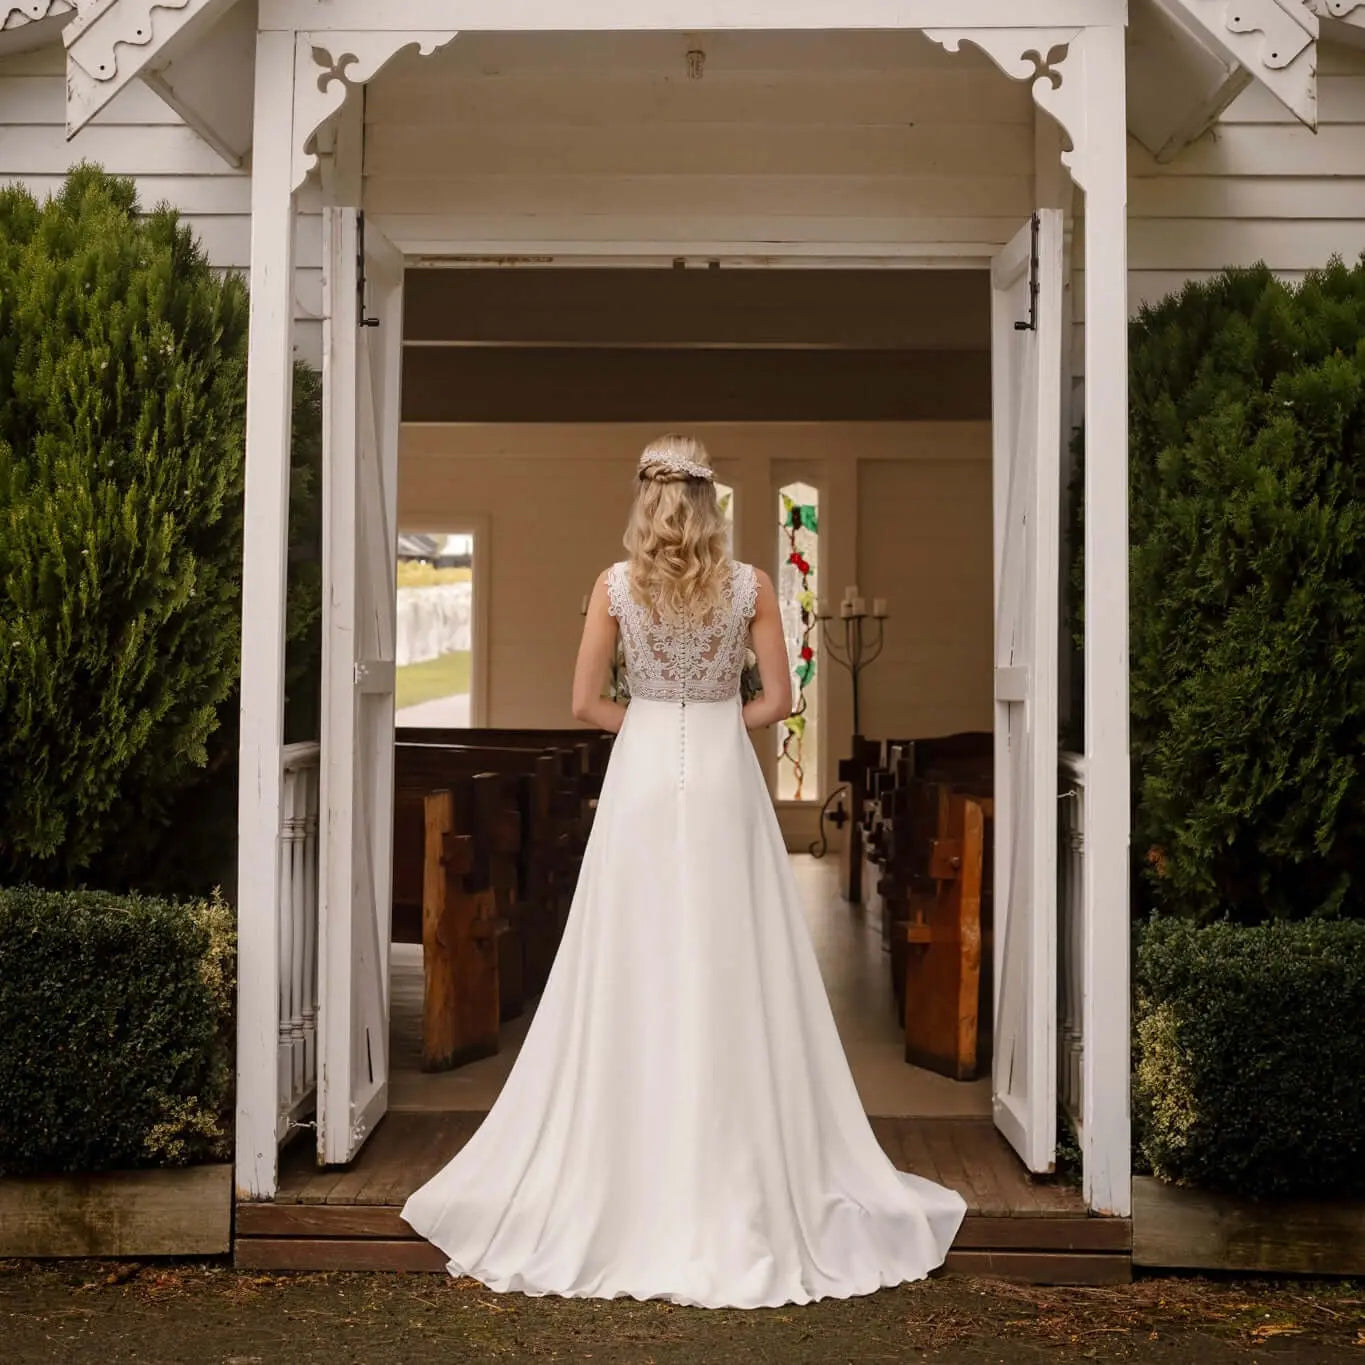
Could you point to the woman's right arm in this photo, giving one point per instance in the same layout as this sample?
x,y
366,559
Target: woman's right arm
x,y
595,653
774,703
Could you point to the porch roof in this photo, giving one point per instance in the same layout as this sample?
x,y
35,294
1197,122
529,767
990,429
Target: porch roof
x,y
1187,59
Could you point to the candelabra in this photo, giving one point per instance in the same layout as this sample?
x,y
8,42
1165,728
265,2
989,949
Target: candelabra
x,y
858,650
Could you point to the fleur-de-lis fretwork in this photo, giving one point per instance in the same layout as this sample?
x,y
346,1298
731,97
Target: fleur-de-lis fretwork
x,y
1046,67
333,68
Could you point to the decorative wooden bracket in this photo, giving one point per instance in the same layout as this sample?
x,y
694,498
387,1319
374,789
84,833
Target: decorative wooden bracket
x,y
102,27
27,24
1051,60
329,65
18,12
1343,20
1275,40
1347,11
111,42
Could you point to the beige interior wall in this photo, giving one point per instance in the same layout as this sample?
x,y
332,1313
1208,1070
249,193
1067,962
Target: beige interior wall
x,y
924,543
906,513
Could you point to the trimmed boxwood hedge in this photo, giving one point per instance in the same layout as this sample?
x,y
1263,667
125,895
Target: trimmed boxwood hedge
x,y
1250,1067
115,1031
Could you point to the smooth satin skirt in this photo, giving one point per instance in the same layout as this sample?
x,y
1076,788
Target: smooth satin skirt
x,y
681,1122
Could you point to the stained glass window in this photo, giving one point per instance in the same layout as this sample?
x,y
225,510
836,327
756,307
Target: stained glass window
x,y
726,496
798,566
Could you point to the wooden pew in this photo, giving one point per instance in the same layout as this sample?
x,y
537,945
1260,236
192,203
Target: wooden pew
x,y
856,771
535,900
929,834
584,753
944,945
468,830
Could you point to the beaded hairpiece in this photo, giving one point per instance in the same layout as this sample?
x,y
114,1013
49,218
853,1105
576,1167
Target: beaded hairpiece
x,y
679,463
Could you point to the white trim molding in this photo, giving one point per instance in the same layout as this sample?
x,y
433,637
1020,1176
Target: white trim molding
x,y
685,16
1276,40
329,65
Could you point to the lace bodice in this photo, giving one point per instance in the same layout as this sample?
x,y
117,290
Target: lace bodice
x,y
694,662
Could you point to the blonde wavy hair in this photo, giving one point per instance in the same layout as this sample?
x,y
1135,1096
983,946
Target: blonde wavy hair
x,y
676,536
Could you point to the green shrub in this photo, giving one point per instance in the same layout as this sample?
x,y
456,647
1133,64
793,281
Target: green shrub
x,y
1247,494
115,1031
122,403
1250,1055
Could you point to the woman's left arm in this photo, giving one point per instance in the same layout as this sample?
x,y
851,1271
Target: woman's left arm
x,y
595,653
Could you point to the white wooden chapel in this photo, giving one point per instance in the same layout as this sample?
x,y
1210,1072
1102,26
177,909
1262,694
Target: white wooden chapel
x,y
300,118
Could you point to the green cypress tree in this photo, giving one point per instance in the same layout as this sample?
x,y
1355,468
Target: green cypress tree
x,y
122,386
1247,460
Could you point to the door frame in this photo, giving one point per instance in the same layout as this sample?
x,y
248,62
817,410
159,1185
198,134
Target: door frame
x,y
1080,82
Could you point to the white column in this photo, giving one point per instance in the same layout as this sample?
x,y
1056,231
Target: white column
x,y
1106,1121
268,421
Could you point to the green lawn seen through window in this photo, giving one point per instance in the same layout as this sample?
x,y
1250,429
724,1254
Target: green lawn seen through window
x,y
444,676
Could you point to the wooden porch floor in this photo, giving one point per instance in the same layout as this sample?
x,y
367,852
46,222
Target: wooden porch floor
x,y
348,1219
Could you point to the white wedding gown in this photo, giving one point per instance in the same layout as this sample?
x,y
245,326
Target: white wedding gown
x,y
681,1122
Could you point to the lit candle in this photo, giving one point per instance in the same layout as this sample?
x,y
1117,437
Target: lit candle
x,y
879,608
859,605
850,593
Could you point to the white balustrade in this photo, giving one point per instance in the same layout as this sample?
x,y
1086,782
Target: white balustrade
x,y
1070,934
298,1053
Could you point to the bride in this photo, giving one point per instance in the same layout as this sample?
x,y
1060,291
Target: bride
x,y
681,1122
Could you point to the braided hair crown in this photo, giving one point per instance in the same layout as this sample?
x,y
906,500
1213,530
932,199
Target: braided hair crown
x,y
673,458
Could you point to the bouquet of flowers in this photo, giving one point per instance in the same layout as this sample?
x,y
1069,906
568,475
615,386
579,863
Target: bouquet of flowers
x,y
750,684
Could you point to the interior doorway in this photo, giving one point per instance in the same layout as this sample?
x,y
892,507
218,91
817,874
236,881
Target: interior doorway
x,y
834,402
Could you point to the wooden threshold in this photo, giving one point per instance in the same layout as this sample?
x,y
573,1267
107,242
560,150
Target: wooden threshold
x,y
1016,1227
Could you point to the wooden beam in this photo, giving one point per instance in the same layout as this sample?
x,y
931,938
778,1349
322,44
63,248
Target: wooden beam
x,y
209,83
1185,1229
335,1253
685,16
1105,1137
610,384
260,785
832,309
1042,1267
1178,81
406,1254
177,1212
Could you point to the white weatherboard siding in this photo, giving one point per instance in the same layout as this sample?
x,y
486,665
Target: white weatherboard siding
x,y
140,136
580,141
1257,187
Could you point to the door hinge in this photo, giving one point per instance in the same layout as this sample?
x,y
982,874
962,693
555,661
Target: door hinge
x,y
1031,325
363,318
374,676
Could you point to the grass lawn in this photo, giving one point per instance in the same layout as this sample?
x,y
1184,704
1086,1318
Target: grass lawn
x,y
446,676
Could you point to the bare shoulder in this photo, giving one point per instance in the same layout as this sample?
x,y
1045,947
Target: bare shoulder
x,y
762,581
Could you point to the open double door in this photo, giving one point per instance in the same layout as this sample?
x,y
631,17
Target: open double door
x,y
362,349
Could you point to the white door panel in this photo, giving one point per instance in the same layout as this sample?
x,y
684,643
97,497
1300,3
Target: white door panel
x,y
1026,331
362,336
